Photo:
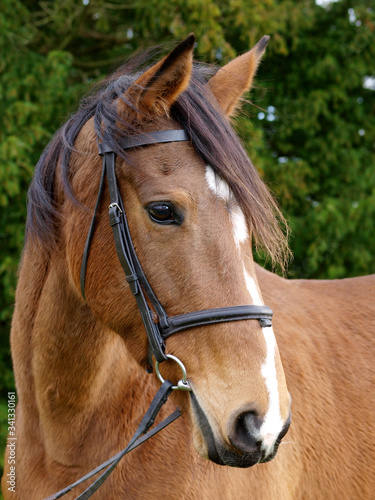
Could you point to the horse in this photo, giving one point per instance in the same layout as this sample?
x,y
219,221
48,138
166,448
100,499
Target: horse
x,y
194,208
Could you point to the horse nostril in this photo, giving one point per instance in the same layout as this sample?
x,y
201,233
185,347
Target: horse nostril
x,y
244,432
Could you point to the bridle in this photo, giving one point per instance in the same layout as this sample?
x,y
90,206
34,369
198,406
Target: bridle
x,y
165,326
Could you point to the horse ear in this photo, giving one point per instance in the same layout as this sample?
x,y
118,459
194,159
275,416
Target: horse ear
x,y
159,86
236,77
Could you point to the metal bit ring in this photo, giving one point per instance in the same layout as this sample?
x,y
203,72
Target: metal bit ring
x,y
183,384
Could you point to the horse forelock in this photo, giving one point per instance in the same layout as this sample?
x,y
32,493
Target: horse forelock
x,y
197,112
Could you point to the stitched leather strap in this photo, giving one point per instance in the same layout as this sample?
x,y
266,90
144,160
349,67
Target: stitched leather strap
x,y
160,398
137,141
147,421
130,264
221,315
155,138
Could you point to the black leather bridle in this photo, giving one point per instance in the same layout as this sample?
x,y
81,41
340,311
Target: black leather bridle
x,y
158,331
165,326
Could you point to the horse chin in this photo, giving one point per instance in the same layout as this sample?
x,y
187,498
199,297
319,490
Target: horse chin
x,y
222,454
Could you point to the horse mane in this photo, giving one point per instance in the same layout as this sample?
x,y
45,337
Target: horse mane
x,y
197,112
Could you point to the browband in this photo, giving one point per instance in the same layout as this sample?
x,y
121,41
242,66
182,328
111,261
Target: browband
x,y
146,140
139,285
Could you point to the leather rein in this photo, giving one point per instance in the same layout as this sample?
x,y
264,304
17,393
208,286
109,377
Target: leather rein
x,y
165,326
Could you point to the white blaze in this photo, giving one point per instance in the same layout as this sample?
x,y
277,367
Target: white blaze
x,y
272,423
238,220
221,189
252,288
218,185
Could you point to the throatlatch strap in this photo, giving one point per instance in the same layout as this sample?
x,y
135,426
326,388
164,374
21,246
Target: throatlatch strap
x,y
86,250
160,398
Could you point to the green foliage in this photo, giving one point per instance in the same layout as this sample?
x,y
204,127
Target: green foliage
x,y
320,145
310,129
35,92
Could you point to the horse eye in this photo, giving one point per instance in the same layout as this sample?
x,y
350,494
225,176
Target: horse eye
x,y
163,213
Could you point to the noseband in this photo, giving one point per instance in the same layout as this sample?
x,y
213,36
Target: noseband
x,y
165,326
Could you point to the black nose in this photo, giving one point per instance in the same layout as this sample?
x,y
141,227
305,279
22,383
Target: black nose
x,y
244,432
244,435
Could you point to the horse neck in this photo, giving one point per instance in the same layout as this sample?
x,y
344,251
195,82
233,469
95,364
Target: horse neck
x,y
64,359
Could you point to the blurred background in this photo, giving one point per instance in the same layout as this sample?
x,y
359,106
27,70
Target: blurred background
x,y
309,128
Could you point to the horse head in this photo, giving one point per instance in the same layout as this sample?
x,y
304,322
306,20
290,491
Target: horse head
x,y
193,210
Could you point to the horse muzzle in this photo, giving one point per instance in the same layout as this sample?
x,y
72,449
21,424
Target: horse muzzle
x,y
244,447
